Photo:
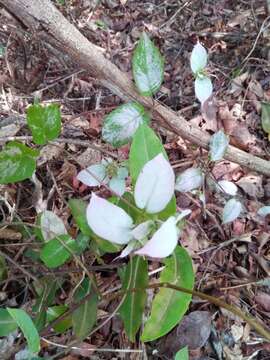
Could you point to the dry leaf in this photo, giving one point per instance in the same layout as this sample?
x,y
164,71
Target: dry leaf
x,y
263,300
252,185
193,331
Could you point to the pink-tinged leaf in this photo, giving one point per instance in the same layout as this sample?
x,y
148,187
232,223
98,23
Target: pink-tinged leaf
x,y
109,221
163,242
155,185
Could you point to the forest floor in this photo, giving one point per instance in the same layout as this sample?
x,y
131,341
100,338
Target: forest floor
x,y
231,261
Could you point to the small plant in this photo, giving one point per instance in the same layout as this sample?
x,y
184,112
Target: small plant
x,y
142,223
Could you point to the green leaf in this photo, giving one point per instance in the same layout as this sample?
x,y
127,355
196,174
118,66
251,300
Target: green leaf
x,y
169,306
28,328
78,211
121,124
17,162
147,66
7,323
145,146
54,312
44,122
46,289
82,242
182,354
84,318
265,117
131,311
218,145
58,250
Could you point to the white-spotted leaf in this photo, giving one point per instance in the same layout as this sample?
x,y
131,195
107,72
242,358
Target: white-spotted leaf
x,y
218,145
147,66
163,242
109,221
51,225
121,124
155,185
188,180
198,58
264,211
231,211
227,186
203,88
99,172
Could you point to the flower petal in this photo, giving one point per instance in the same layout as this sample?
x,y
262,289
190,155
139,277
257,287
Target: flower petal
x,y
163,242
98,170
155,185
109,221
118,185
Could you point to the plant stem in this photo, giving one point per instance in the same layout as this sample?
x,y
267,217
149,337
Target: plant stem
x,y
262,330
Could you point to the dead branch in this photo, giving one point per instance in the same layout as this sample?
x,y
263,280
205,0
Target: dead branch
x,y
43,18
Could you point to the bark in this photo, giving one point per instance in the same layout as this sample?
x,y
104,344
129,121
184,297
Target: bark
x,y
43,18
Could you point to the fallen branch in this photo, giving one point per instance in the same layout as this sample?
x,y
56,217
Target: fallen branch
x,y
42,17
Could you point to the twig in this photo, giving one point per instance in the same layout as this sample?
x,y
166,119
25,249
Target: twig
x,y
84,143
262,29
27,273
56,30
126,351
213,300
